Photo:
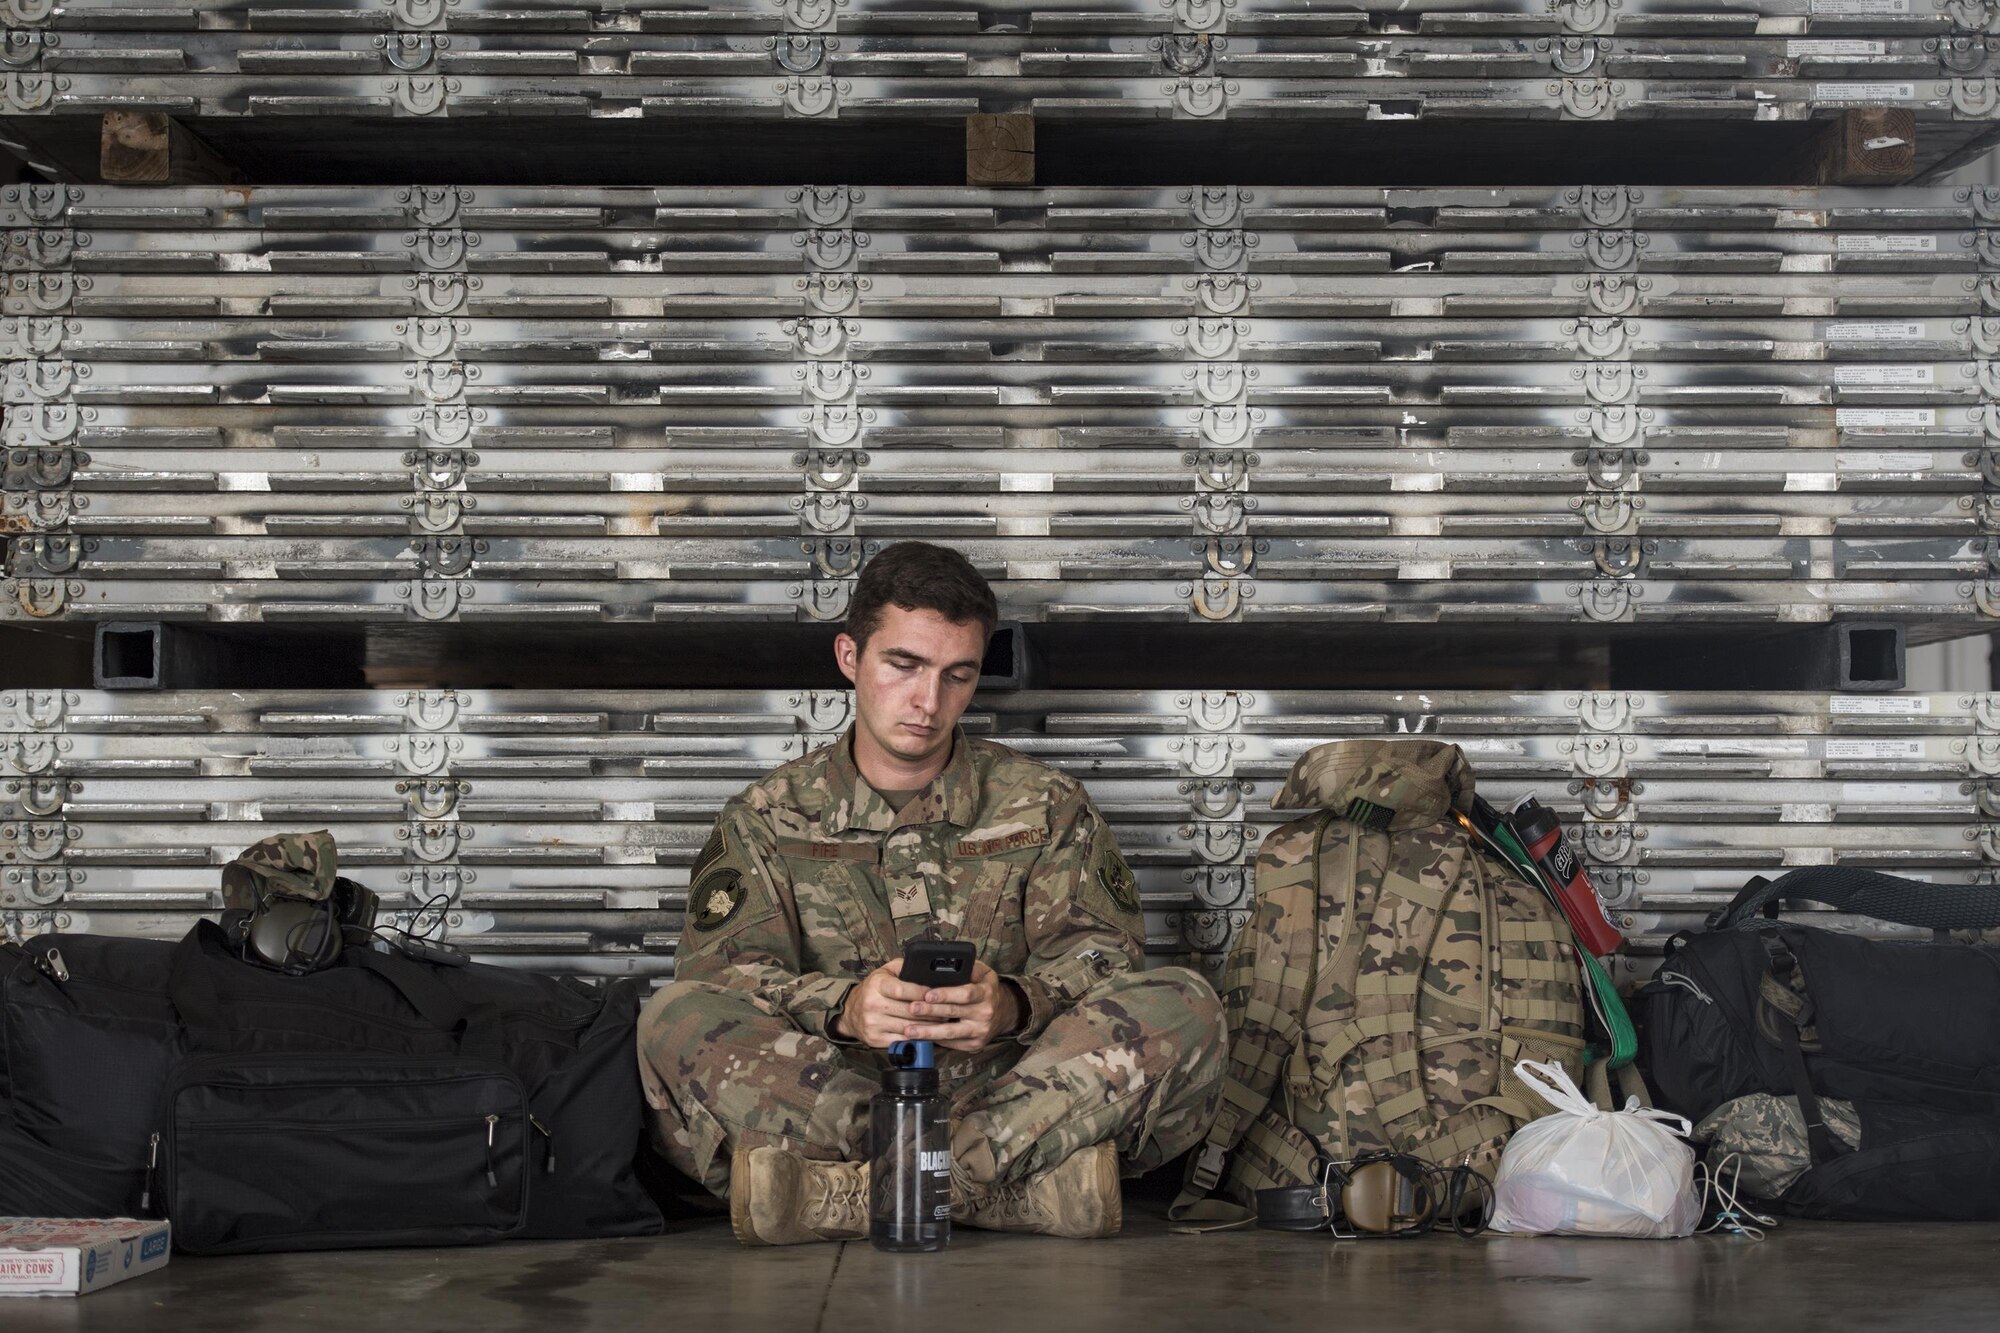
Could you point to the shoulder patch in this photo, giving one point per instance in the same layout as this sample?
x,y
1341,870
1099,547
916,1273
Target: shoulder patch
x,y
716,899
1114,876
716,891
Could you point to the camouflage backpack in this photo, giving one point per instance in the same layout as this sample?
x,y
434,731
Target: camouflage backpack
x,y
1391,974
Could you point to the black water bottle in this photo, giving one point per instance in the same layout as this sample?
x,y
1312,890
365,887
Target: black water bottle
x,y
909,1205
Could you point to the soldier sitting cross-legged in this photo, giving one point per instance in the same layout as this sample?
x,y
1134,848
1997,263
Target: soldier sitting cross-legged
x,y
1065,1063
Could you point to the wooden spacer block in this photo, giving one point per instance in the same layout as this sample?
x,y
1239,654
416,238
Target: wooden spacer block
x,y
151,148
1000,149
1872,145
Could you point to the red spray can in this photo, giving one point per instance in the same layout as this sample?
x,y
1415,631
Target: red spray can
x,y
1541,833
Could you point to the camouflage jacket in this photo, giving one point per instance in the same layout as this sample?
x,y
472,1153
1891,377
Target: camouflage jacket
x,y
811,881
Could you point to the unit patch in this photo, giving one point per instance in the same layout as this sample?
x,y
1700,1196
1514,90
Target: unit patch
x,y
1115,877
716,899
718,891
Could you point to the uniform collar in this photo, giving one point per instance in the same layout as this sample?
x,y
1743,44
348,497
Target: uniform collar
x,y
951,797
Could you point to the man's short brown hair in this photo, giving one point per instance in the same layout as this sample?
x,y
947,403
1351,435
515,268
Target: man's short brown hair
x,y
919,576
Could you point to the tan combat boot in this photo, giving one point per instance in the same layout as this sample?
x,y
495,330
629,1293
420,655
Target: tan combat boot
x,y
780,1198
1079,1197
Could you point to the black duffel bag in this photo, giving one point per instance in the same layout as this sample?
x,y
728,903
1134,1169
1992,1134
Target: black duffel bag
x,y
1908,1031
383,1101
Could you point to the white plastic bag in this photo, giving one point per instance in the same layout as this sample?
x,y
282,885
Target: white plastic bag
x,y
1587,1172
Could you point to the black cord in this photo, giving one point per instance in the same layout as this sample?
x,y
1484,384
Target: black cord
x,y
1466,1184
437,901
298,962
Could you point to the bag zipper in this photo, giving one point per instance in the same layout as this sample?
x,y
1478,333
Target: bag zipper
x,y
321,1127
492,1174
1682,981
549,1161
49,962
152,1170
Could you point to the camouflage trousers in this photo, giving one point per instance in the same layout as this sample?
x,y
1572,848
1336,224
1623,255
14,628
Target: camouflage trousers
x,y
1137,1060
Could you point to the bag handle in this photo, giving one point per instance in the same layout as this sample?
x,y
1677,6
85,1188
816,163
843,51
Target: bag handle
x,y
204,951
1868,893
1552,1083
191,984
478,1027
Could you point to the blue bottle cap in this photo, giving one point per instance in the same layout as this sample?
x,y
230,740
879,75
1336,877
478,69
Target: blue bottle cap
x,y
913,1054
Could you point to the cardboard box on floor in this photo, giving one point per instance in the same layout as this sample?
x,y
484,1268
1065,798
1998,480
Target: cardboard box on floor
x,y
68,1256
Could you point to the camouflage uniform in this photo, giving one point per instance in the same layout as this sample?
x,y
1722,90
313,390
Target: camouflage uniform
x,y
811,881
1768,1135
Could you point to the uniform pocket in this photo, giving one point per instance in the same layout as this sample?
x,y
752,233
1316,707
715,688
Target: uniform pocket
x,y
993,889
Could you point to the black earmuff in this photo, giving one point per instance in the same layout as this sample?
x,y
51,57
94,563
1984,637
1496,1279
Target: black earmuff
x,y
293,935
303,935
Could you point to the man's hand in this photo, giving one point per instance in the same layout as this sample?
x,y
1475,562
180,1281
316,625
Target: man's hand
x,y
884,1009
967,1018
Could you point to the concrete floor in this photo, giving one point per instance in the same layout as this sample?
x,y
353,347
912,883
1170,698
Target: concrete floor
x,y
1807,1277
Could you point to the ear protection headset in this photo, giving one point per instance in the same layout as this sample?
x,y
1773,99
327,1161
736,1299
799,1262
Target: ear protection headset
x,y
1381,1194
300,935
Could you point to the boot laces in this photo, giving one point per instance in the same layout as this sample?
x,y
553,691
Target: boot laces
x,y
1016,1202
845,1203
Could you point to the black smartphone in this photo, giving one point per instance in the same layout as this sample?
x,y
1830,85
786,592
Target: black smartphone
x,y
938,962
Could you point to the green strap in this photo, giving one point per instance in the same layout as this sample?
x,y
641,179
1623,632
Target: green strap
x,y
1624,1039
1610,1005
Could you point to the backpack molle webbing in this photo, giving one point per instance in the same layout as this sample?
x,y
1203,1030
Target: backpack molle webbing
x,y
1389,977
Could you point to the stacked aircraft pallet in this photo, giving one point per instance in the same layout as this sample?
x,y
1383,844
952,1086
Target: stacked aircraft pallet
x,y
347,411
1088,60
554,829
1600,406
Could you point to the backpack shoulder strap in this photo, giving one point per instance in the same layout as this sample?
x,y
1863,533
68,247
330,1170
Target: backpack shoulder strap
x,y
1373,1066
1269,979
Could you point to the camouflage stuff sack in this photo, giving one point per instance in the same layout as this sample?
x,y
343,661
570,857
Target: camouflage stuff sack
x,y
1391,974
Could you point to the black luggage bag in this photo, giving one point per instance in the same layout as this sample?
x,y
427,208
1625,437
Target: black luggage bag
x,y
383,1101
1906,1030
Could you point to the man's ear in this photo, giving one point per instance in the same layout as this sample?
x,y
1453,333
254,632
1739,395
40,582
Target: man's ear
x,y
847,656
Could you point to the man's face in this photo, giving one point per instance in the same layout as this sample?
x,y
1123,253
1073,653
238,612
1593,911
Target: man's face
x,y
912,680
